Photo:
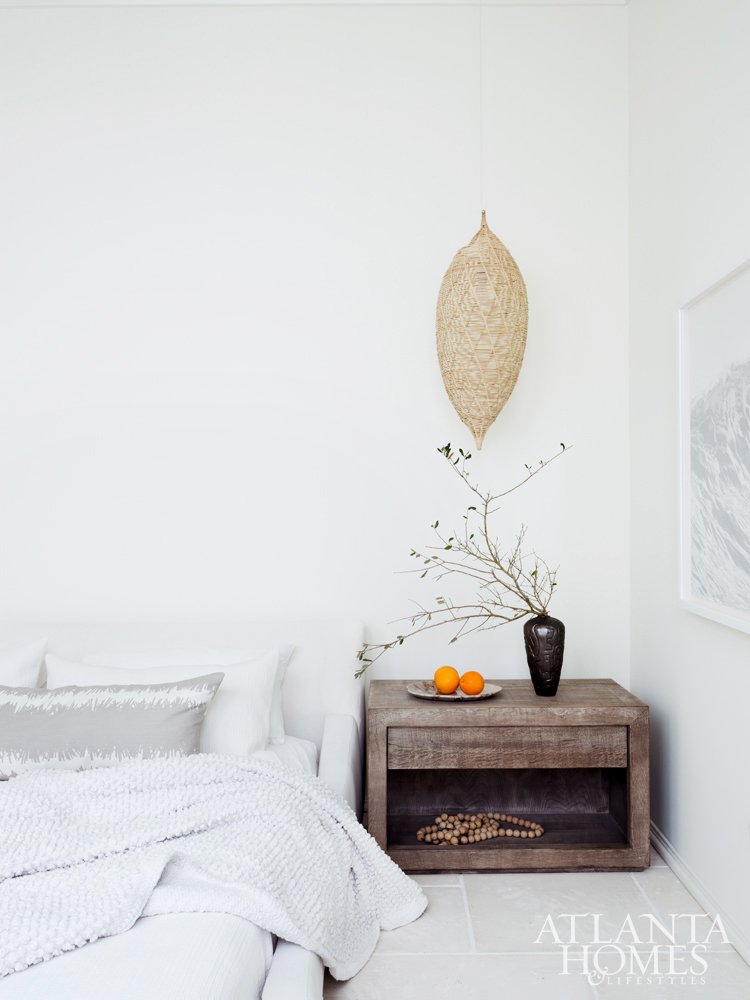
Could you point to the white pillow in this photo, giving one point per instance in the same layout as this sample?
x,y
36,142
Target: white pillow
x,y
237,721
20,665
197,656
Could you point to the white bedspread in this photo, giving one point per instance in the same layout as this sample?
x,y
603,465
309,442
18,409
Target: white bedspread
x,y
84,854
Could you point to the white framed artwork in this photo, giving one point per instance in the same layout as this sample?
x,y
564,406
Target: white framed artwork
x,y
714,359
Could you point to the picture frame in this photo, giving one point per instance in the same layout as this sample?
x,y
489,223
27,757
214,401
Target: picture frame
x,y
714,401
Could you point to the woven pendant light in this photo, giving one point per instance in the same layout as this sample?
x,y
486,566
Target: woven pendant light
x,y
482,316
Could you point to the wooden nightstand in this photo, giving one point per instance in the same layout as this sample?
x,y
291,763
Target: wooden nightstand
x,y
576,763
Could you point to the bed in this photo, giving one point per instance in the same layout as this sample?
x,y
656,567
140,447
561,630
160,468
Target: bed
x,y
216,956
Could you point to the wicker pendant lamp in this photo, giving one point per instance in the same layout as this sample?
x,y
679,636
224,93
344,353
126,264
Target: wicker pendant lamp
x,y
482,317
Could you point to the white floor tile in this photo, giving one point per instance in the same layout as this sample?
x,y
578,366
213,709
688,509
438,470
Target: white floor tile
x,y
445,955
478,977
726,977
508,911
666,896
441,878
657,861
442,928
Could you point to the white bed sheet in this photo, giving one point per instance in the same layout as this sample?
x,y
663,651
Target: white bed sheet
x,y
178,956
294,752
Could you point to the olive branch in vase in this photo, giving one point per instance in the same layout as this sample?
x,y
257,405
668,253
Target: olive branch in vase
x,y
511,584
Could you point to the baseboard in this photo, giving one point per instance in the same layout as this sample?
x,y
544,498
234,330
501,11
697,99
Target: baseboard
x,y
736,934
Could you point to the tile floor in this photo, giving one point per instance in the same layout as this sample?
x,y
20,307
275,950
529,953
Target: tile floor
x,y
476,942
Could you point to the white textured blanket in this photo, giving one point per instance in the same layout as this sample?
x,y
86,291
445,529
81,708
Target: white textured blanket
x,y
84,854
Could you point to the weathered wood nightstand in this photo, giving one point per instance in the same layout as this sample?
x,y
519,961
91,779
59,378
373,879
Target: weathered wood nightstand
x,y
576,763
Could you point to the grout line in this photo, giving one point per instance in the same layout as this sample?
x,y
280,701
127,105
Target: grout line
x,y
726,950
208,4
478,954
472,939
643,892
438,885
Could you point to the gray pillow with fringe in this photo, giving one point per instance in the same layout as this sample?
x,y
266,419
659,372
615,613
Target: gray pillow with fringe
x,y
80,727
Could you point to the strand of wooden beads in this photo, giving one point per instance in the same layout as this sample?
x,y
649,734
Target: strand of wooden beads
x,y
474,828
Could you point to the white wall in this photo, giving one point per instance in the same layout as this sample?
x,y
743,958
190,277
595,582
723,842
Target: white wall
x,y
690,224
223,239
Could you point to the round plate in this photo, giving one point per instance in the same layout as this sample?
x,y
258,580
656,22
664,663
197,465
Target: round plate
x,y
426,689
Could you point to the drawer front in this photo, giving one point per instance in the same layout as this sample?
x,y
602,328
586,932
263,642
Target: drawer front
x,y
507,746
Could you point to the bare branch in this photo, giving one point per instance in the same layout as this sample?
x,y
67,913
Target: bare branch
x,y
507,590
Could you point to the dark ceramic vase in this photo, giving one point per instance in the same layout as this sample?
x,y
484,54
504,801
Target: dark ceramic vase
x,y
545,641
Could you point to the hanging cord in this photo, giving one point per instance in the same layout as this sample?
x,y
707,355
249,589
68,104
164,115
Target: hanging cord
x,y
481,109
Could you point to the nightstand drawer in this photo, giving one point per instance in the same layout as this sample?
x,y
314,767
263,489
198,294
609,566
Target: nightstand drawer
x,y
507,747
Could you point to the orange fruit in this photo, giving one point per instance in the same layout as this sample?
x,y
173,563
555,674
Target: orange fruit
x,y
472,682
446,679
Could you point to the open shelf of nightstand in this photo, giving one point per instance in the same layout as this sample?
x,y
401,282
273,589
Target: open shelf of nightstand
x,y
559,828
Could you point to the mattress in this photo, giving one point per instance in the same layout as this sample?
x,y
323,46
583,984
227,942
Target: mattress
x,y
177,956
